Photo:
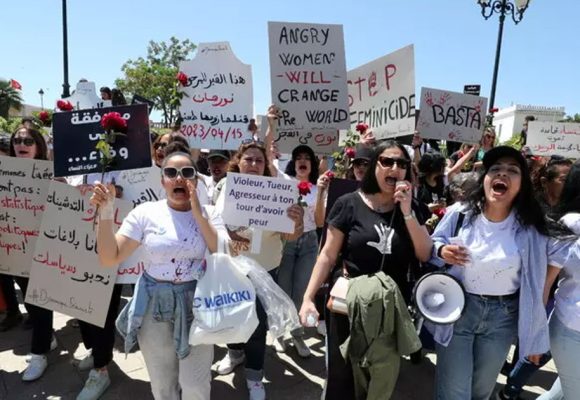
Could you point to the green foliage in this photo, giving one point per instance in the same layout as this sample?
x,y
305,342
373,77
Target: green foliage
x,y
515,141
9,98
342,162
9,125
153,77
572,118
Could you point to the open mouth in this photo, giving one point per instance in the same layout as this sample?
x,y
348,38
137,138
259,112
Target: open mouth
x,y
179,190
302,167
391,181
499,187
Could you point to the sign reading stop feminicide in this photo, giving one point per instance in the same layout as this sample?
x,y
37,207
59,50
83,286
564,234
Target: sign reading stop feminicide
x,y
217,104
259,202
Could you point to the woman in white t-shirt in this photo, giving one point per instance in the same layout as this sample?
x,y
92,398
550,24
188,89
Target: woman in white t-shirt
x,y
565,319
252,159
175,235
500,254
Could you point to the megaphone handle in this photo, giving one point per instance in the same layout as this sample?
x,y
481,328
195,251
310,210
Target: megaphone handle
x,y
419,324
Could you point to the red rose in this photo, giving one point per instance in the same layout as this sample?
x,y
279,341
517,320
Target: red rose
x,y
304,188
64,105
350,152
43,116
330,174
493,110
440,212
361,128
182,78
113,122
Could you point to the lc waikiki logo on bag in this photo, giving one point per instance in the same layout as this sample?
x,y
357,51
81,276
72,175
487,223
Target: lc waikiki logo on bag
x,y
223,300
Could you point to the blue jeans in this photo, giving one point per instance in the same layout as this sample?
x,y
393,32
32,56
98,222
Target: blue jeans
x,y
565,346
298,260
468,367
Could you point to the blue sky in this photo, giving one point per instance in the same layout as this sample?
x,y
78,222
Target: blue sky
x,y
454,45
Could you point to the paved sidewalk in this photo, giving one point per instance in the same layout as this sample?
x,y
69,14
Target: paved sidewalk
x,y
288,376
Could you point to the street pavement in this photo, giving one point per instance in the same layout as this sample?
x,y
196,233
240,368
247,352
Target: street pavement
x,y
288,377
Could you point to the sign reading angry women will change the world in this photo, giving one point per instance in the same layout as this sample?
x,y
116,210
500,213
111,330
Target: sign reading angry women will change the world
x,y
217,102
452,116
308,76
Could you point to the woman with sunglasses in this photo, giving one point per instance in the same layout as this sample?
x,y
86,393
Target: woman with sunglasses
x,y
252,159
175,234
29,143
487,143
500,254
376,228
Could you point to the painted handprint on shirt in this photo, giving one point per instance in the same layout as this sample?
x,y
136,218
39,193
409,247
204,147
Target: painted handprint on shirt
x,y
384,245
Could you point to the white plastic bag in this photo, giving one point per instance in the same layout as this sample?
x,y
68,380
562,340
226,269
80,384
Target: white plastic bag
x,y
224,306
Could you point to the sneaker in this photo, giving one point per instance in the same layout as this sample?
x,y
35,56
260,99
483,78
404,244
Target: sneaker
x,y
230,362
301,347
10,321
95,386
280,344
36,367
87,363
321,328
53,343
256,390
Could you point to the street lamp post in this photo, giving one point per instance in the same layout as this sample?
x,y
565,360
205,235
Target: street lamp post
x,y
65,85
503,8
41,93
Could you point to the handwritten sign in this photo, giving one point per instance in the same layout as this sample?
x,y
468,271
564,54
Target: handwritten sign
x,y
76,134
451,116
23,187
382,94
321,142
141,185
308,75
218,98
548,138
259,202
85,97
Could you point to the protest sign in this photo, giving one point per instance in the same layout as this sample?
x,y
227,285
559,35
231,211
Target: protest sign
x,y
23,187
554,138
77,133
217,102
453,116
382,94
259,202
321,142
85,96
141,185
308,75
136,99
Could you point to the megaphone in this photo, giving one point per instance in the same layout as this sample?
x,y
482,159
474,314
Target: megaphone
x,y
439,298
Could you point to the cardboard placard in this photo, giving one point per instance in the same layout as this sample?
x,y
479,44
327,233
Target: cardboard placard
x,y
321,142
308,75
259,202
85,96
554,138
453,116
24,185
218,98
77,133
382,94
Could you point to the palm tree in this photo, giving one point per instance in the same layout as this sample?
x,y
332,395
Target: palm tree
x,y
9,98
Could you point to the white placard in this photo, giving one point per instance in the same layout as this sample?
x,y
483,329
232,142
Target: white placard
x,y
23,187
259,202
382,94
453,116
85,97
141,185
217,102
308,75
321,142
550,138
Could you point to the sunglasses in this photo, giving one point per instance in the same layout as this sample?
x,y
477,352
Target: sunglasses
x,y
388,162
360,163
185,172
252,141
25,141
160,145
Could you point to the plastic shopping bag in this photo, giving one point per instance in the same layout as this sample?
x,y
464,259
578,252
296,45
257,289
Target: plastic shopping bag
x,y
224,306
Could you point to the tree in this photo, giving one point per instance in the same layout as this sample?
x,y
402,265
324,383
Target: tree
x,y
9,98
153,77
570,118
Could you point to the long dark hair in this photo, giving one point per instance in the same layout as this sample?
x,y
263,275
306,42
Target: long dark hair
x,y
549,171
369,184
291,166
41,148
527,208
570,198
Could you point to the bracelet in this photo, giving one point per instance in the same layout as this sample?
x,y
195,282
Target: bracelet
x,y
409,216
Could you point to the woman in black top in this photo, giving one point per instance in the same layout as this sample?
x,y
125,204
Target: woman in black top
x,y
371,232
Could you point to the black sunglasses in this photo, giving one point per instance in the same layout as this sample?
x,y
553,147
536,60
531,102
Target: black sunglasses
x,y
185,172
360,163
25,141
388,162
252,141
160,145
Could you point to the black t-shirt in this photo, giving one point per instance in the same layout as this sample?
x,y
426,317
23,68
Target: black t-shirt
x,y
429,194
361,225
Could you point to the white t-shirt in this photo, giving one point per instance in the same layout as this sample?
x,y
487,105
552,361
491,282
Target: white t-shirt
x,y
174,247
495,260
568,294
